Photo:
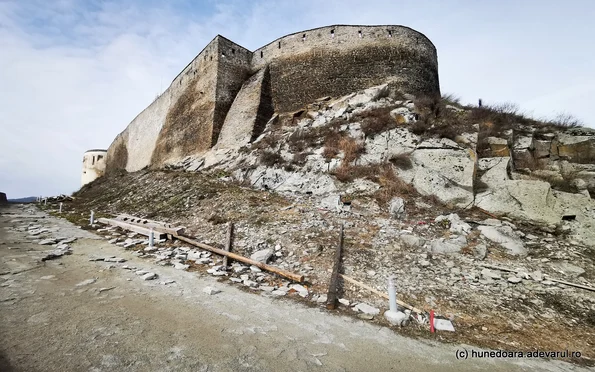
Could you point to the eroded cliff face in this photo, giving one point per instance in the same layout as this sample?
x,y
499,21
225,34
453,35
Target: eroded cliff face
x,y
217,89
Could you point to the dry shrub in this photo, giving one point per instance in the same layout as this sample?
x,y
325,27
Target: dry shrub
x,y
376,120
420,127
383,174
391,185
269,158
402,161
565,120
348,173
351,149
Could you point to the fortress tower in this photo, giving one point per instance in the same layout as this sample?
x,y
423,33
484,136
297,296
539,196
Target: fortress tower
x,y
94,162
226,95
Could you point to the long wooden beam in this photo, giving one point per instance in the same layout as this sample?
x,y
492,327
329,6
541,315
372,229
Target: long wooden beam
x,y
286,274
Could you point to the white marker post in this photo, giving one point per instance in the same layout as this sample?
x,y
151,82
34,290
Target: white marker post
x,y
45,201
151,239
92,219
392,294
60,207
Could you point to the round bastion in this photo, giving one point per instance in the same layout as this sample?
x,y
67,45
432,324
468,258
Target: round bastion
x,y
93,165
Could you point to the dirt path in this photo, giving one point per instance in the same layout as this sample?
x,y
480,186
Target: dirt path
x,y
49,323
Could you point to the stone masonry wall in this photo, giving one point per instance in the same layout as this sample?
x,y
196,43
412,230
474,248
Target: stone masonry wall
x,y
329,61
338,60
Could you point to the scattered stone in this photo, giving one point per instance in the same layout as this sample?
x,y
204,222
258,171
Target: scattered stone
x,y
180,266
255,269
412,241
47,242
398,318
489,274
344,302
86,282
211,290
569,269
300,289
322,299
424,263
47,277
367,309
506,237
169,281
106,289
141,272
537,275
397,207
514,280
443,325
262,255
149,276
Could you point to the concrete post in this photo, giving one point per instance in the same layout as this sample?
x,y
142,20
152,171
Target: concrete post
x,y
92,219
151,239
60,207
392,294
45,201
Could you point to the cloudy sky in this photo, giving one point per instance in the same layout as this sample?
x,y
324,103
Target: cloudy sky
x,y
74,73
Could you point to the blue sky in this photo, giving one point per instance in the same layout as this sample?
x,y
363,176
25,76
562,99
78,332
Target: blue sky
x,y
74,73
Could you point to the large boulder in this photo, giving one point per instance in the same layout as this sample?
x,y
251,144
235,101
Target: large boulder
x,y
444,169
577,146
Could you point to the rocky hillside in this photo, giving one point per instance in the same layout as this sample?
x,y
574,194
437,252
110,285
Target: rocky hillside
x,y
483,215
377,142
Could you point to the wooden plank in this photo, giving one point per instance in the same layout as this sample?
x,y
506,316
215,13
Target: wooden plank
x,y
155,225
137,229
228,243
381,294
333,289
286,274
570,284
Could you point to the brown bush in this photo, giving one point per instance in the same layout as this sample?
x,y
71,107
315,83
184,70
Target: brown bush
x,y
376,121
402,161
269,158
391,185
351,149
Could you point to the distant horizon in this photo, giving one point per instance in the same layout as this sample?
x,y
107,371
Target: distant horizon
x,y
79,72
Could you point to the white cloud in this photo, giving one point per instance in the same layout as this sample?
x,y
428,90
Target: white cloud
x,y
74,73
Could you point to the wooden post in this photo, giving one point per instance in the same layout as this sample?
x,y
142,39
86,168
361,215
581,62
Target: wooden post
x,y
331,298
228,243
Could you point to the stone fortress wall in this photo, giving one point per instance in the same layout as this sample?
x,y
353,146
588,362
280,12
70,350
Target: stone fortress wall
x,y
227,93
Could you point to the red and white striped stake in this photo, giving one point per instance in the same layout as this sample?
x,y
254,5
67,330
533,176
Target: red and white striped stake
x,y
431,321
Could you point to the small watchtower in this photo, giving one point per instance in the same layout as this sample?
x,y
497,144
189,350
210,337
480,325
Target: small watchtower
x,y
93,165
